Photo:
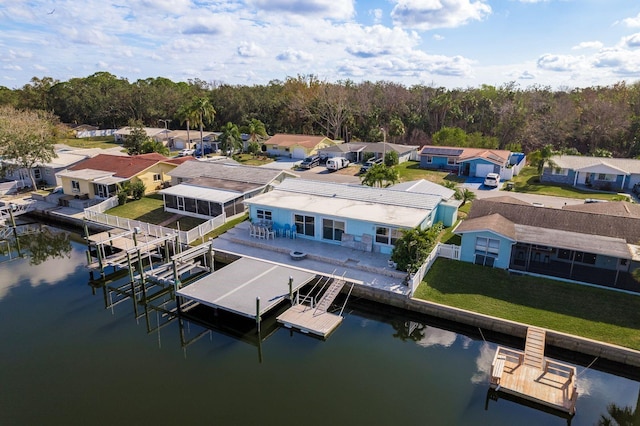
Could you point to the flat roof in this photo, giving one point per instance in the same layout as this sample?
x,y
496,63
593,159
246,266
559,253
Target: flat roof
x,y
235,287
201,193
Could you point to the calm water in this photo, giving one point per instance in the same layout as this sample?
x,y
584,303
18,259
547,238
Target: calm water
x,y
67,360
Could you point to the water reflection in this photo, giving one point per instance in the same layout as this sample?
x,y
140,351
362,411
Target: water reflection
x,y
28,248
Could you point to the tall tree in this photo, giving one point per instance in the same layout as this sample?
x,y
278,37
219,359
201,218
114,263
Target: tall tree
x,y
230,139
136,138
202,113
256,130
27,139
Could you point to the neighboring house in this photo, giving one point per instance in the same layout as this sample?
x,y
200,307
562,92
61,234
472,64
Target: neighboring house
x,y
597,243
355,216
357,151
611,174
156,133
99,177
181,139
46,174
295,146
473,162
208,189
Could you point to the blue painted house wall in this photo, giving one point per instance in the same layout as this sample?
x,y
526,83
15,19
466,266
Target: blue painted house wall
x,y
437,163
468,248
354,227
447,214
473,164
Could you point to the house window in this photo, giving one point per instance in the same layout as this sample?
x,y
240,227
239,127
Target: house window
x,y
606,177
37,174
157,177
385,235
75,186
487,245
577,256
559,172
484,260
429,159
264,214
332,229
305,225
452,161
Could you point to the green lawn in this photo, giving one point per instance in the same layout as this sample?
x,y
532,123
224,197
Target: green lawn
x,y
410,170
222,229
594,313
95,142
252,160
528,181
148,209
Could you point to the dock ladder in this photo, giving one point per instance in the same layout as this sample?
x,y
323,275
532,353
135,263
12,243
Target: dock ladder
x,y
330,295
534,348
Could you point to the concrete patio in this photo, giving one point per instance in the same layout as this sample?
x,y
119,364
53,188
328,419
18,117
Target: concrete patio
x,y
367,268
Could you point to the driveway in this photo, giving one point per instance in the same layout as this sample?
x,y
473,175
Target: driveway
x,y
481,191
346,175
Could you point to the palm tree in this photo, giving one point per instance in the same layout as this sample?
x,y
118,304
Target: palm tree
x,y
230,139
202,111
542,158
184,115
256,130
465,195
380,175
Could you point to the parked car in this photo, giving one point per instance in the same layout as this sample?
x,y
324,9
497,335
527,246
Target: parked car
x,y
337,163
186,152
370,163
207,151
492,180
636,188
310,162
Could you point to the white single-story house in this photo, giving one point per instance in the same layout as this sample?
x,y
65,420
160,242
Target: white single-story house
x,y
181,139
208,189
159,134
611,174
357,151
356,216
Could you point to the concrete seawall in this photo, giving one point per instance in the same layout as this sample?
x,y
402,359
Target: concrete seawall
x,y
560,340
581,345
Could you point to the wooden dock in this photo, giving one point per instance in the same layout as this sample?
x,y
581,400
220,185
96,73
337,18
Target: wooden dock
x,y
315,319
307,320
529,375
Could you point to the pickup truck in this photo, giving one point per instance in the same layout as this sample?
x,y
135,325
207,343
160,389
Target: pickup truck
x,y
337,163
370,163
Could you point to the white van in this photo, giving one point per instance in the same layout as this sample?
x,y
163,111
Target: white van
x,y
337,163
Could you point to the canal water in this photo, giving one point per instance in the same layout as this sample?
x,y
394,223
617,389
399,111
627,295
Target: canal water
x,y
66,360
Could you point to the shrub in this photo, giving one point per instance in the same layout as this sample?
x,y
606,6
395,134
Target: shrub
x,y
137,190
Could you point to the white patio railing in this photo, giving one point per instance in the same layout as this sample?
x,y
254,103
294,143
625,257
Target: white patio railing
x,y
96,214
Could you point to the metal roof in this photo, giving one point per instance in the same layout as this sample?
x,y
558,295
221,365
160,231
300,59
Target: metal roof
x,y
423,186
221,170
201,193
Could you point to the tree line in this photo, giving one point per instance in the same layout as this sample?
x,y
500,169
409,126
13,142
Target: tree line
x,y
582,120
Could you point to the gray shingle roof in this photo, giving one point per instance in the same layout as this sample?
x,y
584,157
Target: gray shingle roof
x,y
579,162
585,222
232,172
360,193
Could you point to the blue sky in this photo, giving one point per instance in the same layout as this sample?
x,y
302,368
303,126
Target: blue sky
x,y
450,43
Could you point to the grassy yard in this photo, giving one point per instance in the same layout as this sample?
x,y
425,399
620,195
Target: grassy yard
x,y
147,209
528,181
410,170
594,313
252,160
95,142
222,229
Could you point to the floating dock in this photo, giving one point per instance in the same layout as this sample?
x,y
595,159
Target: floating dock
x,y
314,318
531,376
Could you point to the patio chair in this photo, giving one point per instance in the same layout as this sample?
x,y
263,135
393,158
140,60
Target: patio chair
x,y
252,231
276,229
287,230
294,231
270,233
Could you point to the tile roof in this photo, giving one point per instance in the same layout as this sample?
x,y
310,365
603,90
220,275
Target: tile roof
x,y
121,166
497,156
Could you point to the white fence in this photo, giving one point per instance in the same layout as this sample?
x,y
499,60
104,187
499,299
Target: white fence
x,y
96,214
449,251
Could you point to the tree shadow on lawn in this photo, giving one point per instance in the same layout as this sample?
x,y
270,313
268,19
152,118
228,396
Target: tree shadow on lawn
x,y
451,277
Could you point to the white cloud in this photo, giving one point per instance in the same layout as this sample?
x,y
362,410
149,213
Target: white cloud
x,y
632,22
427,15
438,37
559,63
437,337
250,50
526,75
291,55
12,67
632,41
588,45
376,14
325,9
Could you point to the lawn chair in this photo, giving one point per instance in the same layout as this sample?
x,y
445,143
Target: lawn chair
x,y
287,230
294,231
276,229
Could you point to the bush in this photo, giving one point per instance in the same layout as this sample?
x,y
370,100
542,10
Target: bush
x,y
122,198
137,190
